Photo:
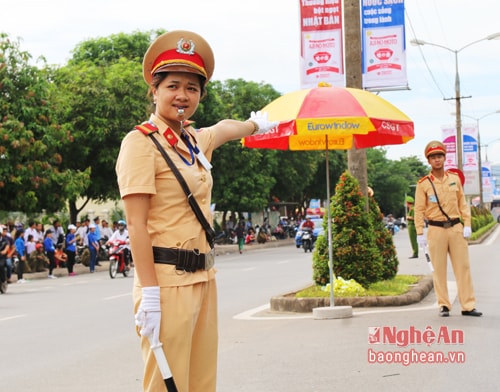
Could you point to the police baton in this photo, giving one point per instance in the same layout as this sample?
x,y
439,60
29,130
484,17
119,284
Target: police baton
x,y
162,363
429,263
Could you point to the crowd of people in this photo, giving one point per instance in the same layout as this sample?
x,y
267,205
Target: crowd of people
x,y
35,248
243,232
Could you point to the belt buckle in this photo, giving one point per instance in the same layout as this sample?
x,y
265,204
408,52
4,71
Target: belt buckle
x,y
447,224
209,259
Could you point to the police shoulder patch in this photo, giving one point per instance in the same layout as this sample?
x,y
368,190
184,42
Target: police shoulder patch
x,y
146,128
422,179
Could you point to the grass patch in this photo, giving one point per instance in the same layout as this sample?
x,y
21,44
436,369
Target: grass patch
x,y
399,285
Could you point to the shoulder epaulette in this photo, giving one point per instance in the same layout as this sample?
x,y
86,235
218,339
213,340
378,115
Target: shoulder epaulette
x,y
423,179
452,172
146,128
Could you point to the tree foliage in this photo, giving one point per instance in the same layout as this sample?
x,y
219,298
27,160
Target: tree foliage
x,y
32,172
243,178
391,180
100,99
383,240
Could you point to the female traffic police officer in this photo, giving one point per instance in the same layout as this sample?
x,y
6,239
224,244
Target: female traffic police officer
x,y
174,304
440,199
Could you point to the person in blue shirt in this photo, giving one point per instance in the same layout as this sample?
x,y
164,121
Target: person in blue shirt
x,y
70,249
21,255
93,246
50,249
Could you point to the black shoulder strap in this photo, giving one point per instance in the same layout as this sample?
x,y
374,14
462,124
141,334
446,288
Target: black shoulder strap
x,y
437,199
209,232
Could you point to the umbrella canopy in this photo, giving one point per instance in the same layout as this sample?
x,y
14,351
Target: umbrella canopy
x,y
349,117
332,118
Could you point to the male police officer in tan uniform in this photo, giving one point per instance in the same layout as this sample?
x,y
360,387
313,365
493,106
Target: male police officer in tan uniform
x,y
440,199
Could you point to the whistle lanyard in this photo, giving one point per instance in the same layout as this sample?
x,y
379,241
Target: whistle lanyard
x,y
193,149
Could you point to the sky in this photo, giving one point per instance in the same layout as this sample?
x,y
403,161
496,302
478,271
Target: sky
x,y
259,41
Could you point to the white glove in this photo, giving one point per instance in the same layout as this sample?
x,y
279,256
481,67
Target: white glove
x,y
262,123
421,240
148,315
467,231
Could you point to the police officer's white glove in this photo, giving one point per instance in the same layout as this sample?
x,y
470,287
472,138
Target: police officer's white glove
x,y
467,231
148,315
421,240
261,123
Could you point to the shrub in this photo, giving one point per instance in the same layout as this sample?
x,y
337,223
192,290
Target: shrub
x,y
384,241
355,252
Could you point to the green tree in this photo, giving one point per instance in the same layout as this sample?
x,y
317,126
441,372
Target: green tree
x,y
107,50
391,180
337,164
294,174
355,253
100,100
383,240
243,178
32,171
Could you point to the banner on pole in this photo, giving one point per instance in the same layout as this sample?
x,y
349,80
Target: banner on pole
x,y
469,155
383,44
450,142
321,50
488,183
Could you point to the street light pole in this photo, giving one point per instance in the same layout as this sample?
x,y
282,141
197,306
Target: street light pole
x,y
457,98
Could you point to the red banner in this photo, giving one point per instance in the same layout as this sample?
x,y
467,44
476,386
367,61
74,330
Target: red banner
x,y
321,50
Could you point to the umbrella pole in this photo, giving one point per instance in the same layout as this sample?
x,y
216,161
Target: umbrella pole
x,y
329,216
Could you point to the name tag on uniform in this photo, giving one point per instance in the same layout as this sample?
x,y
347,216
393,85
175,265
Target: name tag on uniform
x,y
432,199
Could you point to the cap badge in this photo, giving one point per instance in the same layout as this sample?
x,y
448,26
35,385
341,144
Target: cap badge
x,y
185,46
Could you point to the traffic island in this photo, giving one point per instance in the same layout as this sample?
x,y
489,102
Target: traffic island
x,y
289,303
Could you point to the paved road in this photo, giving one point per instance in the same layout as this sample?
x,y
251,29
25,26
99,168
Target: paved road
x,y
75,334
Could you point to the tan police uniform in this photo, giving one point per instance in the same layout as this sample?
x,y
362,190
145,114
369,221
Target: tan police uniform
x,y
444,240
188,300
188,328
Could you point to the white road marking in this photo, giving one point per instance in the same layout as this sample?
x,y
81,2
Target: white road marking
x,y
13,317
117,296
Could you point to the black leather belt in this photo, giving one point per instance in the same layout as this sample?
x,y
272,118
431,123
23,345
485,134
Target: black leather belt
x,y
184,260
445,224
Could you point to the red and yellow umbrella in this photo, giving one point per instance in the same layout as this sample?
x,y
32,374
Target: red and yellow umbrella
x,y
342,117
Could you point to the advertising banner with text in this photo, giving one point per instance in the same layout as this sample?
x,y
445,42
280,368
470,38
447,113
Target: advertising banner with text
x,y
469,155
383,44
321,50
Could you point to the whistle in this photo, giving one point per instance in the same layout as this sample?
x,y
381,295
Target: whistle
x,y
180,113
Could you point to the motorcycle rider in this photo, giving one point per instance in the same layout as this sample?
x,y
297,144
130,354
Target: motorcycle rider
x,y
122,235
308,224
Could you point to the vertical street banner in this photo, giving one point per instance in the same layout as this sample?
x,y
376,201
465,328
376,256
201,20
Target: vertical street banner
x,y
469,155
470,148
450,142
321,50
383,44
488,183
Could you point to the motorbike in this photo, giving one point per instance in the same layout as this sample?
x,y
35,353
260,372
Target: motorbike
x,y
103,250
226,237
82,255
307,239
391,227
117,262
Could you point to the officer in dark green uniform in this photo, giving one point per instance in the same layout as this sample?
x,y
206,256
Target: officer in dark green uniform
x,y
412,231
